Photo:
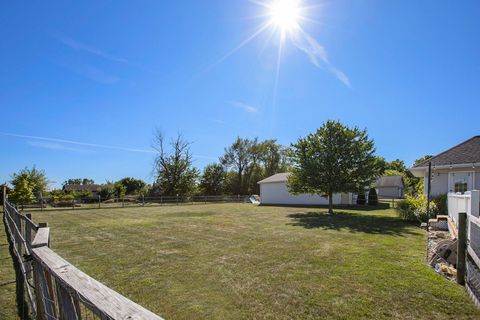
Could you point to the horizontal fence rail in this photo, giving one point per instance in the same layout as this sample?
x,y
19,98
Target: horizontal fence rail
x,y
468,203
54,288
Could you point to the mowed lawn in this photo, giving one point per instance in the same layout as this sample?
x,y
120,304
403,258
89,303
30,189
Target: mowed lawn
x,y
241,261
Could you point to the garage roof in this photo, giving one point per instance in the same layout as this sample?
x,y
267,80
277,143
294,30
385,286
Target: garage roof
x,y
279,177
389,181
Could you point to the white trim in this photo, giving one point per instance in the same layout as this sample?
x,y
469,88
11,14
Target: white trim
x,y
448,166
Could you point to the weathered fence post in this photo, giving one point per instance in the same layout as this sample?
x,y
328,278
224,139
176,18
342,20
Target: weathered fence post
x,y
99,201
123,202
4,196
66,304
177,199
461,247
28,230
73,204
143,200
161,200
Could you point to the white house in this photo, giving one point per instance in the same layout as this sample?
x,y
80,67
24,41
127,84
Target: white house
x,y
454,170
273,190
390,186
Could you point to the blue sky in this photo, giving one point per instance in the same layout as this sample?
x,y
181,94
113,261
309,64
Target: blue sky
x,y
107,73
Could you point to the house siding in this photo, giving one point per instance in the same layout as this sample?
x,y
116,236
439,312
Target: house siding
x,y
390,192
277,193
439,182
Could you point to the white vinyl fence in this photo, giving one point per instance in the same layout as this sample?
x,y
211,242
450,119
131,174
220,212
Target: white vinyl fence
x,y
470,204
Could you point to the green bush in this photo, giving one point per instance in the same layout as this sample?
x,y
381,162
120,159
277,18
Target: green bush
x,y
415,209
372,197
441,204
361,198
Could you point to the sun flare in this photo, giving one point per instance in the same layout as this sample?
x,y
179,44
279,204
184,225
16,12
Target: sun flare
x,y
284,14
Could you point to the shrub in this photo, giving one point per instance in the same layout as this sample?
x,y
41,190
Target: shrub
x,y
441,204
361,198
415,208
372,197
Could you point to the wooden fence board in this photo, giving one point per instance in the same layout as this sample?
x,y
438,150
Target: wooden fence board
x,y
102,300
42,238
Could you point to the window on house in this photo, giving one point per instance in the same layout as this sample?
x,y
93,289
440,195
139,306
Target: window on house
x,y
461,187
461,182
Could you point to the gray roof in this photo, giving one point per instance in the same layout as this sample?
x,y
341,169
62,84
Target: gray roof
x,y
466,152
389,181
279,177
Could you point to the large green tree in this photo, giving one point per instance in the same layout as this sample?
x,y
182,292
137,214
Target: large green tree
x,y
238,157
35,179
173,166
252,160
334,159
273,157
22,192
27,184
133,186
213,179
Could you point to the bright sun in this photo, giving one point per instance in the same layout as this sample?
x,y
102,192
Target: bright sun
x,y
284,14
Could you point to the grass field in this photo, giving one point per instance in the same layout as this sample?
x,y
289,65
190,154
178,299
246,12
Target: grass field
x,y
241,261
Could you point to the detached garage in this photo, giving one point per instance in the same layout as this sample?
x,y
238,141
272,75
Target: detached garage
x,y
273,190
390,186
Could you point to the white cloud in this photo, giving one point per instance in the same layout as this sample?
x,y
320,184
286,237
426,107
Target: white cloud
x,y
217,121
61,144
317,55
245,107
76,45
92,73
54,146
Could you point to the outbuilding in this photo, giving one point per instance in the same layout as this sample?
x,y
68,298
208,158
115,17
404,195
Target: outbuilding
x,y
390,186
273,191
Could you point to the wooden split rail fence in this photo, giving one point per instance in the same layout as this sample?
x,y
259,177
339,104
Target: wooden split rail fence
x,y
54,288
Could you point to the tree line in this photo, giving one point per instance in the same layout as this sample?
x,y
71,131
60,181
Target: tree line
x,y
333,159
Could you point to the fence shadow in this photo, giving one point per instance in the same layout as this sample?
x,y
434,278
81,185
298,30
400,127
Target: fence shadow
x,y
22,305
352,222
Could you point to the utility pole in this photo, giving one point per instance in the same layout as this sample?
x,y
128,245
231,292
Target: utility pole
x,y
429,187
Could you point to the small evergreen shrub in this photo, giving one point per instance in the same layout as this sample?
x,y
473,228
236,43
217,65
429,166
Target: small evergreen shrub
x,y
372,197
361,198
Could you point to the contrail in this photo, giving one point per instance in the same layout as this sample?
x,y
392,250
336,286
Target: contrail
x,y
93,145
78,143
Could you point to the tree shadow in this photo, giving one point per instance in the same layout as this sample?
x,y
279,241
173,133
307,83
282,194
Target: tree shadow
x,y
353,222
380,206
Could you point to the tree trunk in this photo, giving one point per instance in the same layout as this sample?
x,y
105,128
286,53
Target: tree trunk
x,y
330,203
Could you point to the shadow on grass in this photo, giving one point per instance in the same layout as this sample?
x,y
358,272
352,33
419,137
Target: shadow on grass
x,y
352,222
380,206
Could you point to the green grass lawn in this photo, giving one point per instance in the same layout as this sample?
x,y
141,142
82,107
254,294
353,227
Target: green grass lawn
x,y
241,261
